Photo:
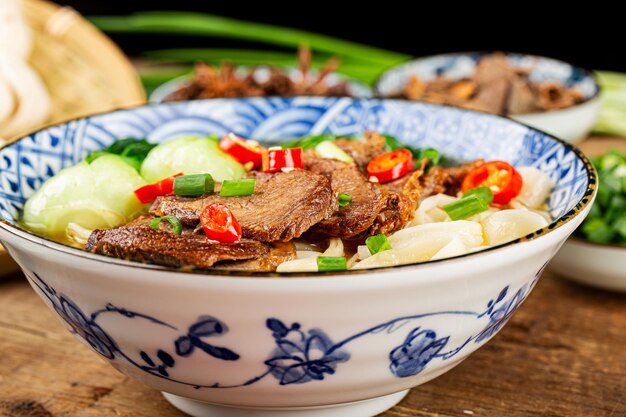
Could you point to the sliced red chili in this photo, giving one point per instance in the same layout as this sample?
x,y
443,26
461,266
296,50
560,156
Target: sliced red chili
x,y
148,193
391,165
243,150
219,223
502,179
276,159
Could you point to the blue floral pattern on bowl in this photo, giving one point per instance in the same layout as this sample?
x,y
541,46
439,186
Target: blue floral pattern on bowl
x,y
299,356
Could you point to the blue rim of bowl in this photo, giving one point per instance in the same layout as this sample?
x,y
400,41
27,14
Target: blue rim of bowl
x,y
588,73
587,197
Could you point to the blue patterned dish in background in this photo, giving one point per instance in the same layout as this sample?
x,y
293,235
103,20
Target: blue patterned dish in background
x,y
570,124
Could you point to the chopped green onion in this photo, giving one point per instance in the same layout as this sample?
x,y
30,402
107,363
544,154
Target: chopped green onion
x,y
231,188
483,192
466,207
331,263
604,195
377,243
331,151
344,199
612,183
193,185
598,231
620,227
606,222
177,227
610,161
615,209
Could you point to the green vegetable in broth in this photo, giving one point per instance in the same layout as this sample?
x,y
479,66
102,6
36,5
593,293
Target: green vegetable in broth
x,y
87,196
190,155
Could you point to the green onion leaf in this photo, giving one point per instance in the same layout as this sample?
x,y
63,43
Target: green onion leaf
x,y
377,243
177,227
231,188
330,150
432,155
119,145
138,150
331,263
198,24
344,199
134,151
351,67
394,144
238,56
483,192
466,207
193,185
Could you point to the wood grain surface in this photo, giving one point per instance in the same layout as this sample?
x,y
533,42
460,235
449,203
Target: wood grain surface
x,y
562,354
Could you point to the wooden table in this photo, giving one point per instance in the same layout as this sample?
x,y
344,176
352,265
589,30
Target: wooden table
x,y
562,354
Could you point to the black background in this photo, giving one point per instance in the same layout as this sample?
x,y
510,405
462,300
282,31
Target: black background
x,y
591,35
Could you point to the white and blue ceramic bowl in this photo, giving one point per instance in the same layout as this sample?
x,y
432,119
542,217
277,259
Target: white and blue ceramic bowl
x,y
571,124
356,88
330,344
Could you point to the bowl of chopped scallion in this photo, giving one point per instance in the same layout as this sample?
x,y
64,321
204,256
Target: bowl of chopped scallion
x,y
596,254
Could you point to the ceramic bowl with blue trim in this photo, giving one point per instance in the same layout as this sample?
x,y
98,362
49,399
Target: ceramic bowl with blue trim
x,y
316,344
571,124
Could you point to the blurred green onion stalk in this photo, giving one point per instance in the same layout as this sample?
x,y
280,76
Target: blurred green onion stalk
x,y
361,62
